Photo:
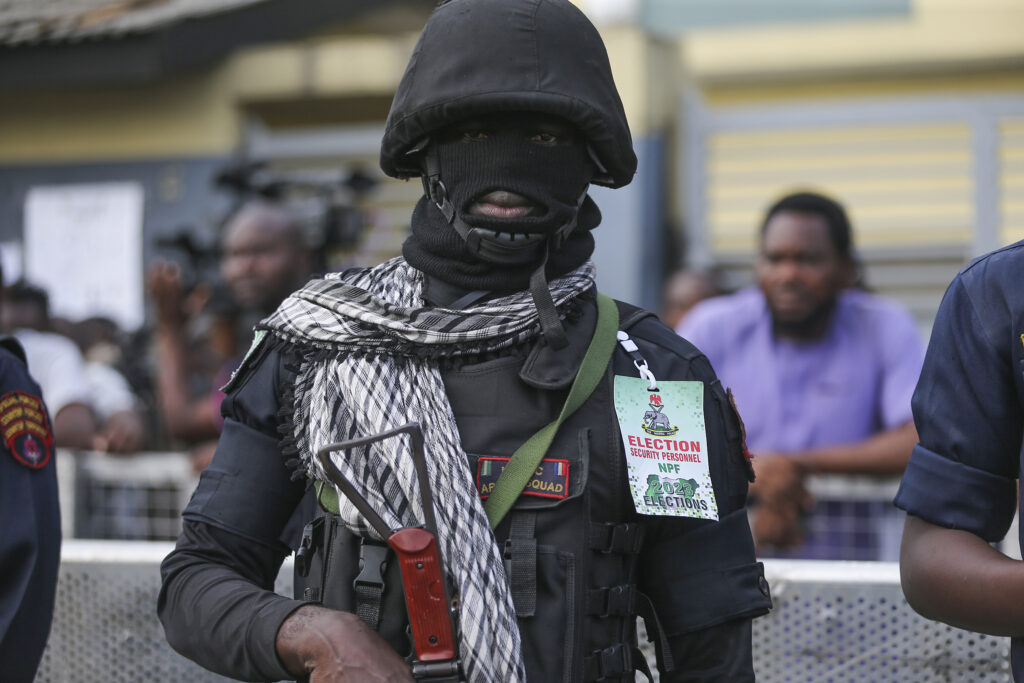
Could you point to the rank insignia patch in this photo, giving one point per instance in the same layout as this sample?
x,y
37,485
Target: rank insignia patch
x,y
26,431
550,480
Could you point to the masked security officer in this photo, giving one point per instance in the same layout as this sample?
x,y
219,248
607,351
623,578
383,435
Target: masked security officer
x,y
30,518
490,335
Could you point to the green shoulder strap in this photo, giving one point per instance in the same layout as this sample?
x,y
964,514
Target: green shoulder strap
x,y
524,461
327,496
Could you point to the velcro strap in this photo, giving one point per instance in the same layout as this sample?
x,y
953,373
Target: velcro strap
x,y
521,563
612,601
610,663
624,539
655,633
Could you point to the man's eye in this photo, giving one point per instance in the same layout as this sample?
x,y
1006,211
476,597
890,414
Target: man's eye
x,y
547,138
474,134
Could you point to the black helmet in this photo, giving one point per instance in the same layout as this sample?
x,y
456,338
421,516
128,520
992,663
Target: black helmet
x,y
482,56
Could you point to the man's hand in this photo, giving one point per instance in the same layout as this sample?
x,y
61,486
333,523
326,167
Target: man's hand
x,y
779,478
337,647
780,501
777,525
173,307
163,281
123,432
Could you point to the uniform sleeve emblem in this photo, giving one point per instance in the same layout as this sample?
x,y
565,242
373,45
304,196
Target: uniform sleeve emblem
x,y
26,429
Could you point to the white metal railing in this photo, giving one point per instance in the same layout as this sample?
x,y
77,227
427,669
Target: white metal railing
x,y
833,621
139,497
131,497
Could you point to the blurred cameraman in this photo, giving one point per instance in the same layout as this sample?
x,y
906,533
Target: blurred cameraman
x,y
263,257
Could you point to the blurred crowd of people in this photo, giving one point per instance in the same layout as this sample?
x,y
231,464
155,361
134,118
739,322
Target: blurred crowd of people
x,y
821,369
158,389
794,349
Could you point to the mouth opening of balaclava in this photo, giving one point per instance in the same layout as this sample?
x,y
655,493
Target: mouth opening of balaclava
x,y
553,177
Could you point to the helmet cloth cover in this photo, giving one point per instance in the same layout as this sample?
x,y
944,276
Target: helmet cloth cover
x,y
481,56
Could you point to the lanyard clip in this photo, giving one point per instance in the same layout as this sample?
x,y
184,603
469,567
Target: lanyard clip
x,y
639,362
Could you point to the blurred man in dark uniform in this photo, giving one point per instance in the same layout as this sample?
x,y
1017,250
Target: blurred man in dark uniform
x,y
961,488
29,518
482,332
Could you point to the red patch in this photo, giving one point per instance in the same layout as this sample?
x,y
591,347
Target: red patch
x,y
747,455
25,429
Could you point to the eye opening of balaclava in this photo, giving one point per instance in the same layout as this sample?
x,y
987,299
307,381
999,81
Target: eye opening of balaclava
x,y
491,251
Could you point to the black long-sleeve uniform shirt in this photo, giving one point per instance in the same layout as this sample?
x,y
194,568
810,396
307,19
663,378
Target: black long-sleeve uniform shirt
x,y
216,604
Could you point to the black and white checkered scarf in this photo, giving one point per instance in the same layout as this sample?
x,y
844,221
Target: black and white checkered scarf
x,y
377,368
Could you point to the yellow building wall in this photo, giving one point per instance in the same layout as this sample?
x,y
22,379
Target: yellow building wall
x,y
197,114
906,184
203,113
182,117
937,35
903,184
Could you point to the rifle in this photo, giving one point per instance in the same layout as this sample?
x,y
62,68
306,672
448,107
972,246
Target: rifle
x,y
435,653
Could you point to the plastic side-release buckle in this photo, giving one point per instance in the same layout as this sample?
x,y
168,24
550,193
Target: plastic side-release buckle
x,y
372,564
369,583
312,538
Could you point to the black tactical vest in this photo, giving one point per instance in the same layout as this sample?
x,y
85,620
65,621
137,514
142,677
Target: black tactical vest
x,y
570,543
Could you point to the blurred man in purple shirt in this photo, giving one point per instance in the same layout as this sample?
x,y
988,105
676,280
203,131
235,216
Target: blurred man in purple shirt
x,y
822,373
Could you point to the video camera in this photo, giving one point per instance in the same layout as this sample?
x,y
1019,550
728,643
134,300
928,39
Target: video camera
x,y
328,199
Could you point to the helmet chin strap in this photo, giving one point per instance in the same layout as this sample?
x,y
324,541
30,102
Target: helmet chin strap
x,y
550,324
521,251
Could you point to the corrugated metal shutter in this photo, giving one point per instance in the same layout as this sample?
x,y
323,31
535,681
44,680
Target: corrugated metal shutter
x,y
389,208
1012,176
903,185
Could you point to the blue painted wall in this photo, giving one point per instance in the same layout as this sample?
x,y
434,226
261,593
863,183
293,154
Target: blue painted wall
x,y
631,237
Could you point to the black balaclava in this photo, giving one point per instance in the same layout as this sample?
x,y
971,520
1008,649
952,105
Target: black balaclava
x,y
555,178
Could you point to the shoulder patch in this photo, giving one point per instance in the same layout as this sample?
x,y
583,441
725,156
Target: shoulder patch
x,y
550,480
257,342
26,430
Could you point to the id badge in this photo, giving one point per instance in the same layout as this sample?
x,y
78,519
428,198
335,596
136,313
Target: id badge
x,y
666,447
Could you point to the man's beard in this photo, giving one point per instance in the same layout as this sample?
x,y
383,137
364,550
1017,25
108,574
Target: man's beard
x,y
811,326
